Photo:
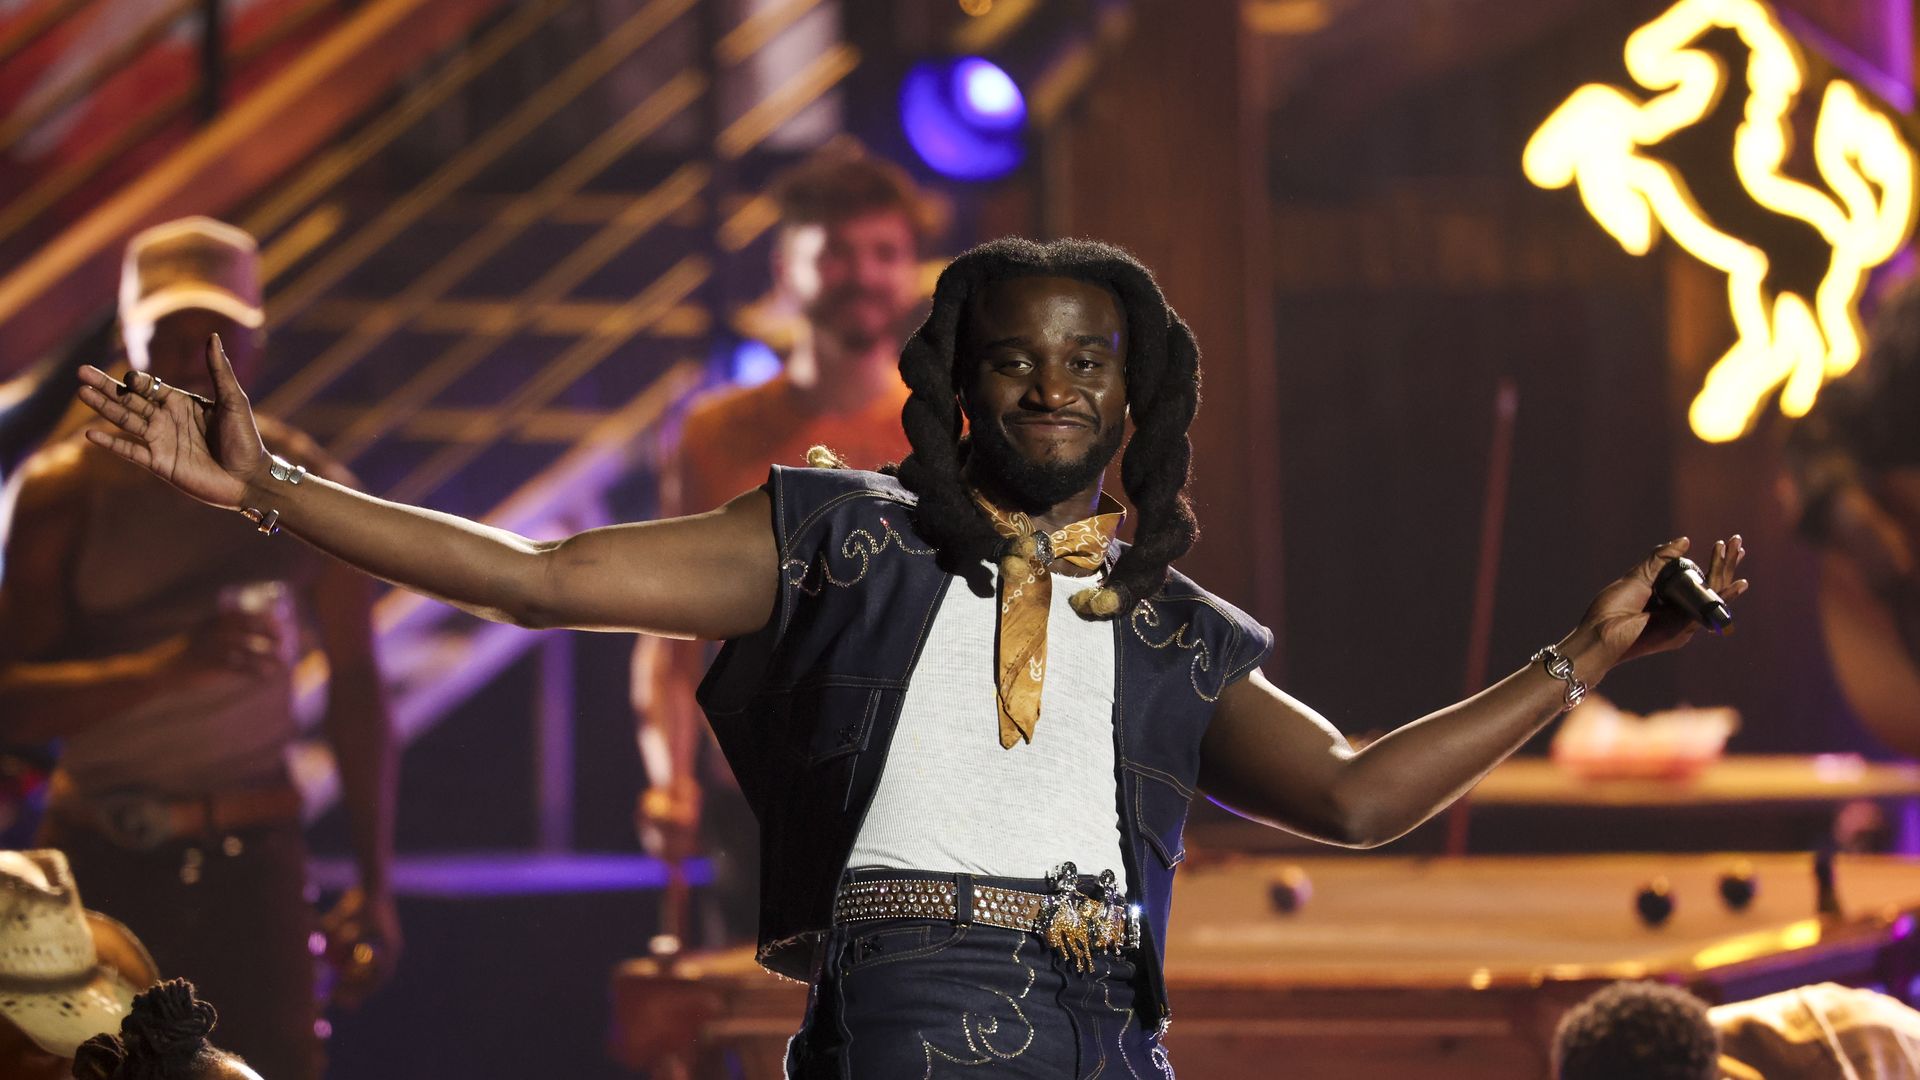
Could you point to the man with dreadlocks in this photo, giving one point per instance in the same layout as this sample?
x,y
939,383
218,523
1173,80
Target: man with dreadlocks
x,y
968,887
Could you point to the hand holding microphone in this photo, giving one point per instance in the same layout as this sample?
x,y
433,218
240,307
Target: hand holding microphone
x,y
1682,587
1659,605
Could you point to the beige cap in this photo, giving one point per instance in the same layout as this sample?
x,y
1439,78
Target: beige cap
x,y
52,985
194,262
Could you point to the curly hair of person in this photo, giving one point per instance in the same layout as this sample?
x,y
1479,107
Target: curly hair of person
x,y
1639,1029
1163,392
163,1037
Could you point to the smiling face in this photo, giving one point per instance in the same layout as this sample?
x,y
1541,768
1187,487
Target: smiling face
x,y
857,278
1043,364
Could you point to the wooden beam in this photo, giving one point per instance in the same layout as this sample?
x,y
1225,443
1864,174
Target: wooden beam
x,y
1187,196
54,294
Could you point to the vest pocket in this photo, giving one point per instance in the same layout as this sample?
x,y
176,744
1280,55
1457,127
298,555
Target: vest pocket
x,y
1160,810
837,718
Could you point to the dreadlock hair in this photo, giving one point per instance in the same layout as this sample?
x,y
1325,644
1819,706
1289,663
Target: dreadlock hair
x,y
163,1037
1163,391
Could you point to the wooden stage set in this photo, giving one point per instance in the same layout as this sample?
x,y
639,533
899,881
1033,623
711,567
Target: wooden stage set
x,y
1345,965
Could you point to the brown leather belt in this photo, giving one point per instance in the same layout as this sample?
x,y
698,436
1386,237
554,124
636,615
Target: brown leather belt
x,y
1071,923
141,821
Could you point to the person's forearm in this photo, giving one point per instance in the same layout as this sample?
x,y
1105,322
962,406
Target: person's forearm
x,y
51,700
676,713
360,729
486,571
1395,783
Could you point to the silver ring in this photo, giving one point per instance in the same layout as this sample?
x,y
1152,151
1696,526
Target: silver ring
x,y
156,390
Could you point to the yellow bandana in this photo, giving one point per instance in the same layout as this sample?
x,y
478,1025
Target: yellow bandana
x,y
1026,596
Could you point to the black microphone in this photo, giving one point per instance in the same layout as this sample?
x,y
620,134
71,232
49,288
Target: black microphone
x,y
1682,586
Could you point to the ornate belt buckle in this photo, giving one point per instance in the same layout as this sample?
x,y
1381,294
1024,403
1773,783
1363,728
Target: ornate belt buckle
x,y
1074,925
136,822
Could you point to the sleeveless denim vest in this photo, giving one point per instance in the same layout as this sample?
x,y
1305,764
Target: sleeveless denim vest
x,y
805,708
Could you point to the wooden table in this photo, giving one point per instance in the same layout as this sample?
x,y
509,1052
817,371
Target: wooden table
x,y
1531,805
1425,967
1741,781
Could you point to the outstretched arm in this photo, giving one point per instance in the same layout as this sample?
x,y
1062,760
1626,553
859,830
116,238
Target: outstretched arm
x,y
713,575
1269,757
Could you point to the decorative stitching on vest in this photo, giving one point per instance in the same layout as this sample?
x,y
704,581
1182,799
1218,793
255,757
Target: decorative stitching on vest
x,y
1233,641
861,545
1148,770
1146,613
1153,835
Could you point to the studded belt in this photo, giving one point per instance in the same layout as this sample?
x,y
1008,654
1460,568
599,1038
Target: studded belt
x,y
139,822
1072,923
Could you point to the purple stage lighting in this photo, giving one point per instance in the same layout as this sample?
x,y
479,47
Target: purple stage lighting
x,y
987,95
965,118
753,362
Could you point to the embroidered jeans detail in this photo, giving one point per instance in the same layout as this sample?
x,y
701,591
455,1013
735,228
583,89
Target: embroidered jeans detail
x,y
928,1000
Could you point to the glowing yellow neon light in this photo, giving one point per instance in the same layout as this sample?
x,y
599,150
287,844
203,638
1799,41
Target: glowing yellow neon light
x,y
1786,341
1761,943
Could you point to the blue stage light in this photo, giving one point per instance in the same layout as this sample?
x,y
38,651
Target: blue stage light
x,y
965,118
753,362
987,95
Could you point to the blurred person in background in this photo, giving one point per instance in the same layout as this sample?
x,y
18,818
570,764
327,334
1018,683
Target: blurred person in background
x,y
1819,1032
153,639
1852,486
846,272
68,974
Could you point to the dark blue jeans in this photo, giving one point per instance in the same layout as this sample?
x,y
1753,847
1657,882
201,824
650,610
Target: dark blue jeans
x,y
899,999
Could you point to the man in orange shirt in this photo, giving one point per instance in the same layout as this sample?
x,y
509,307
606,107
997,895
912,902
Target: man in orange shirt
x,y
846,260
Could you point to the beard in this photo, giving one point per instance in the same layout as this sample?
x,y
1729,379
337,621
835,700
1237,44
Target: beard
x,y
1038,486
860,318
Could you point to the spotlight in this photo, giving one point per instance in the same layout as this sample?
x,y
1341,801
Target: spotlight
x,y
752,363
965,118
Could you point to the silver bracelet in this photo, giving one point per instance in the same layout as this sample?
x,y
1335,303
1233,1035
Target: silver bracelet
x,y
1561,668
268,521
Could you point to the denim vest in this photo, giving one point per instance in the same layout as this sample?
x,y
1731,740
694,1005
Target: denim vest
x,y
805,708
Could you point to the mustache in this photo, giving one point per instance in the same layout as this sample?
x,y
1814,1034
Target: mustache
x,y
1018,415
848,293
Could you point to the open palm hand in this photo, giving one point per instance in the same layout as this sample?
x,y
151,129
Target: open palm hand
x,y
207,449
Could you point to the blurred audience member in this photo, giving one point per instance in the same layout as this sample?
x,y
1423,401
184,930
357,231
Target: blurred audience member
x,y
152,637
66,974
1855,459
1853,487
1637,1029
1818,1032
164,1037
846,265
